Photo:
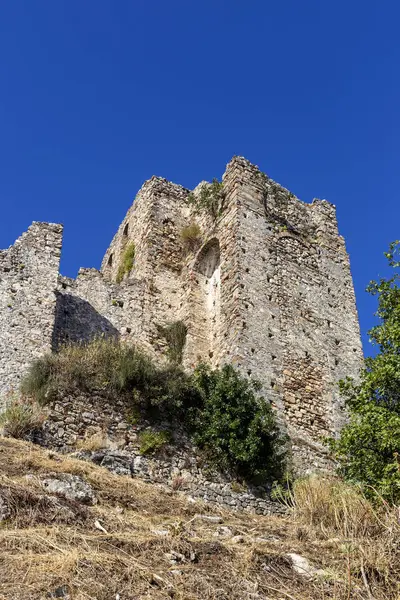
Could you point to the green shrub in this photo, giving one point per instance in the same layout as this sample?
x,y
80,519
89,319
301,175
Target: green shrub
x,y
175,335
209,199
152,441
368,450
126,262
237,429
21,417
191,236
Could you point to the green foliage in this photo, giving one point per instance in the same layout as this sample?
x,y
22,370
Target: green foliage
x,y
21,417
238,487
126,263
237,429
191,236
175,335
209,199
369,446
152,441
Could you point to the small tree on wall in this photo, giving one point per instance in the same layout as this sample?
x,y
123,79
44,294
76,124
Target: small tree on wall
x,y
126,262
368,449
209,199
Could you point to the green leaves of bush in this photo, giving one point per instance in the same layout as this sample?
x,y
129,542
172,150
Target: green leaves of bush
x,y
236,428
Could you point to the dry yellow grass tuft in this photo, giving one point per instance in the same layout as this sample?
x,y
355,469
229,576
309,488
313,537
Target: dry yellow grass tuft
x,y
143,541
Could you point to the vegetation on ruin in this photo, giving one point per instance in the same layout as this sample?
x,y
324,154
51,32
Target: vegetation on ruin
x,y
126,262
175,335
234,427
152,441
218,408
210,199
21,416
368,449
191,236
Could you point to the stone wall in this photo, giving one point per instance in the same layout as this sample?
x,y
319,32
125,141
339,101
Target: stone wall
x,y
266,286
28,278
75,421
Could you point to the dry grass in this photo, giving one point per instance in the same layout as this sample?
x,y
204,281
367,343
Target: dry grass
x,y
191,236
93,442
144,524
21,416
368,534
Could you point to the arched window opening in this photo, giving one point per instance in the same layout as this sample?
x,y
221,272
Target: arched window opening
x,y
126,230
206,305
110,260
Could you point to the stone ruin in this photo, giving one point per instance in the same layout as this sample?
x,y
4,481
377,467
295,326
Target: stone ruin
x,y
264,285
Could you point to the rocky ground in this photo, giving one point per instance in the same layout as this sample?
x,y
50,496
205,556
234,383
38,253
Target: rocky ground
x,y
72,530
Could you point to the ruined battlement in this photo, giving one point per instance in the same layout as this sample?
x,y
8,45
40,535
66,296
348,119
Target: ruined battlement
x,y
260,278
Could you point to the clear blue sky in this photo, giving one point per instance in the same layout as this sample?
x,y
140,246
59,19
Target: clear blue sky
x,y
97,96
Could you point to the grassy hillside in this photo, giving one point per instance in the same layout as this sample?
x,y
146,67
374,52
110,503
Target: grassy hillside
x,y
141,541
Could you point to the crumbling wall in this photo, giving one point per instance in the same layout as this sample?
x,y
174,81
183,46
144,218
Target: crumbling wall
x,y
28,278
90,307
76,421
266,286
154,224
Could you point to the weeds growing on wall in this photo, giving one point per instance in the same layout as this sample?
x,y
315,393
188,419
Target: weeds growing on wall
x,y
21,416
110,367
209,199
175,335
219,408
191,236
152,441
126,262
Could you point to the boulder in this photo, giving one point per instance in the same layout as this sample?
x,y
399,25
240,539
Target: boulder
x,y
71,487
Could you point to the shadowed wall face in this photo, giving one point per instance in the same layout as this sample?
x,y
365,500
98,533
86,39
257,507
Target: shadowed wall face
x,y
76,322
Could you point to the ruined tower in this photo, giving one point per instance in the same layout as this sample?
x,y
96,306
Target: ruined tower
x,y
264,284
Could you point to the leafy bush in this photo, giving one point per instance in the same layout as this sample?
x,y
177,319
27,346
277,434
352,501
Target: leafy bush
x,y
191,236
237,429
175,336
152,441
126,264
210,198
369,445
21,417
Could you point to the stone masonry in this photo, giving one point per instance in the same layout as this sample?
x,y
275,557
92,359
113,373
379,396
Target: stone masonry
x,y
266,285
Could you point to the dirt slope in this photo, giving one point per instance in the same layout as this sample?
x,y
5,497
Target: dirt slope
x,y
141,541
